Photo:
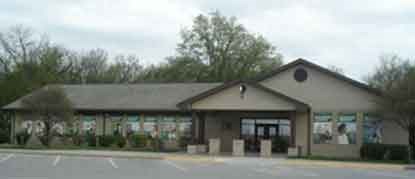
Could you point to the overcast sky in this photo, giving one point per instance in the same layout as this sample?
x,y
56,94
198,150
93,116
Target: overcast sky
x,y
349,34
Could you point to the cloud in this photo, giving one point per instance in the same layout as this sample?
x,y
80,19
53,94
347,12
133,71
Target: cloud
x,y
349,34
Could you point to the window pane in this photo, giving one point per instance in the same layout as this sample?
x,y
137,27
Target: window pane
x,y
346,129
248,128
168,128
284,128
116,125
322,128
133,125
372,129
88,124
267,121
150,125
185,126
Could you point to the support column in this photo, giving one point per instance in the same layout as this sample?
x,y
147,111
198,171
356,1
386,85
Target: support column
x,y
293,123
194,126
201,129
11,117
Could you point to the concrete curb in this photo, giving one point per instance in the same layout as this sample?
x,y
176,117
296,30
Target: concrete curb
x,y
89,153
115,154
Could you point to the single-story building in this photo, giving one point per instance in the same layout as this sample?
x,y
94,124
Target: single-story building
x,y
322,112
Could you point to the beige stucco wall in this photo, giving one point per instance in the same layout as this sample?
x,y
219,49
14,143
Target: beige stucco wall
x,y
301,131
214,128
322,92
325,93
254,99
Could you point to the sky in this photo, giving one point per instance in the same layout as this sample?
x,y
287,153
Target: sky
x,y
351,35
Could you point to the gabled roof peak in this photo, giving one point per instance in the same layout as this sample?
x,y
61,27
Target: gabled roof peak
x,y
302,61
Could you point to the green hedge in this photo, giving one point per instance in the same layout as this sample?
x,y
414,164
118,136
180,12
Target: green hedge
x,y
139,141
4,136
91,140
119,141
22,137
106,141
384,152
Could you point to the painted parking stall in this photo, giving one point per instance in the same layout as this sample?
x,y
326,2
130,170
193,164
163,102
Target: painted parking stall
x,y
65,167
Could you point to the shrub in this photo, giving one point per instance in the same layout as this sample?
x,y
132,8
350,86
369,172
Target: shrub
x,y
155,144
77,140
106,141
4,136
119,141
384,152
139,141
280,144
91,140
22,137
43,140
185,140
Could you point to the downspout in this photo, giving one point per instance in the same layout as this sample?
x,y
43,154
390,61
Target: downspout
x,y
308,132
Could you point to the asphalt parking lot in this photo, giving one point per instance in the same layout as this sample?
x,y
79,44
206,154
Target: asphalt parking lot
x,y
22,166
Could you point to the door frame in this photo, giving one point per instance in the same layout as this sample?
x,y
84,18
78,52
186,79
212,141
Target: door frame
x,y
288,117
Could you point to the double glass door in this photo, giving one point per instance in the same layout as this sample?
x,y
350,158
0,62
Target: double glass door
x,y
255,130
266,131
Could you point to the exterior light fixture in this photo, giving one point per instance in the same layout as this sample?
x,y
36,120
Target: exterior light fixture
x,y
242,90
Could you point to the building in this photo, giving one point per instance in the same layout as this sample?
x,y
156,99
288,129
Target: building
x,y
322,112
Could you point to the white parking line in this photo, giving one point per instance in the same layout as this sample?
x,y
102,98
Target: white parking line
x,y
112,163
6,158
282,171
175,165
58,158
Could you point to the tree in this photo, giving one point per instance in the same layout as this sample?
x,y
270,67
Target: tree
x,y
49,105
395,77
224,49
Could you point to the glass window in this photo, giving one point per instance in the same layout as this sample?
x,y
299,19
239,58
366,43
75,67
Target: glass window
x,y
88,124
322,128
346,129
168,128
284,128
372,129
58,127
132,125
266,121
27,126
248,128
185,126
150,125
116,125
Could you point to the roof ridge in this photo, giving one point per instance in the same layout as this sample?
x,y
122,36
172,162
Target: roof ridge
x,y
131,84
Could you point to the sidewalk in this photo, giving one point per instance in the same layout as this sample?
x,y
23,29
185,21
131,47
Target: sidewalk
x,y
117,154
346,164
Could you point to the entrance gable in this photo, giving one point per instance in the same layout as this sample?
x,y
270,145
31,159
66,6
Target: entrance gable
x,y
243,96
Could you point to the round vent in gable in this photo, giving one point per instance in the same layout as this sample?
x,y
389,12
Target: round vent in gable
x,y
300,75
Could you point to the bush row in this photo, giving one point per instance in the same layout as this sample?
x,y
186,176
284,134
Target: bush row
x,y
384,152
4,136
118,141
